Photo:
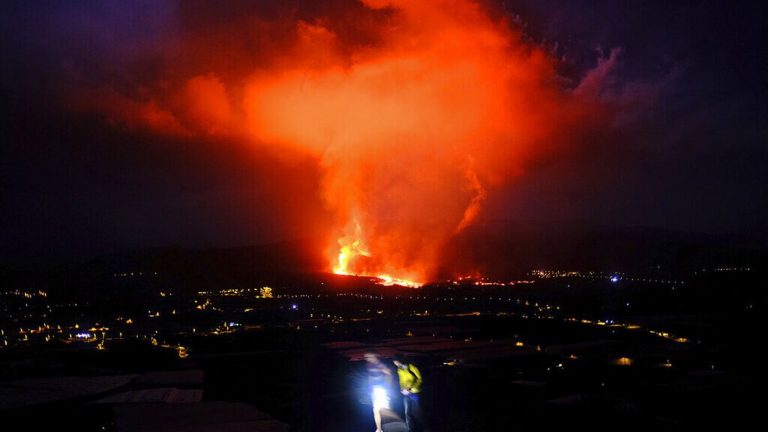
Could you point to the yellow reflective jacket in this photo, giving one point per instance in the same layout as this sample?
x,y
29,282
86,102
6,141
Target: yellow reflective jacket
x,y
410,378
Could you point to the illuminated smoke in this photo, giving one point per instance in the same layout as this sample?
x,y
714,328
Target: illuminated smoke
x,y
411,130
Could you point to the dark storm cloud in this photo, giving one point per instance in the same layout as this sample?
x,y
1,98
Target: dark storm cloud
x,y
693,156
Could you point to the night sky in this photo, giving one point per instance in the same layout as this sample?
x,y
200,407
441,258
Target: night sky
x,y
685,147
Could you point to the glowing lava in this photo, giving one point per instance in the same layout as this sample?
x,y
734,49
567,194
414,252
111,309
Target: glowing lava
x,y
350,248
387,280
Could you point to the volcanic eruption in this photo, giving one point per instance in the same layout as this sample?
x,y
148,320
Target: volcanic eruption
x,y
411,128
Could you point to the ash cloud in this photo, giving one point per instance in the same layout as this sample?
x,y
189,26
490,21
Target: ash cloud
x,y
410,110
635,135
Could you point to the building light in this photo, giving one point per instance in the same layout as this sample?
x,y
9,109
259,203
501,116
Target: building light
x,y
266,292
623,361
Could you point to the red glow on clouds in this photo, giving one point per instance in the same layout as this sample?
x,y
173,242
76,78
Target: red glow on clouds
x,y
410,131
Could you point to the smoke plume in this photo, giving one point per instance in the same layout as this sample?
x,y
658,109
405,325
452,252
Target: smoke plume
x,y
413,110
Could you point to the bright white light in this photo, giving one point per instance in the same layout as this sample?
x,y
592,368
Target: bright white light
x,y
380,398
614,279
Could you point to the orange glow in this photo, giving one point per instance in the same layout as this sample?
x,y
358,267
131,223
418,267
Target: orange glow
x,y
411,131
206,103
387,280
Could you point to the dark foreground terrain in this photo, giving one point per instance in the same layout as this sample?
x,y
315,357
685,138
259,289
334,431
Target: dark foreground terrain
x,y
633,355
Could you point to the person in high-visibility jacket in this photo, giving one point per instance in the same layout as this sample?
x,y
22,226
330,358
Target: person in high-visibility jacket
x,y
410,386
